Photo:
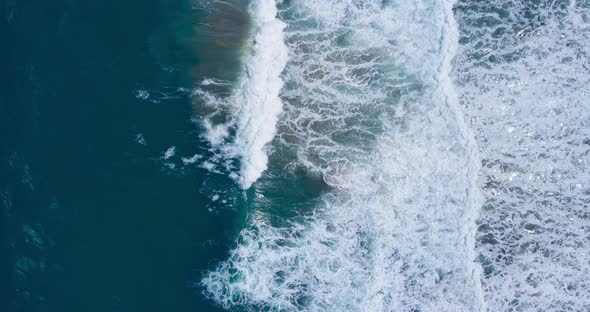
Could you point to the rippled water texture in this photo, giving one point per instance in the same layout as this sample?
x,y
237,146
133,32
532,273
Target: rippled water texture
x,y
523,74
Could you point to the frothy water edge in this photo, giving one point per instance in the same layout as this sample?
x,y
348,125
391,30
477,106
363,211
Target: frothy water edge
x,y
362,238
253,110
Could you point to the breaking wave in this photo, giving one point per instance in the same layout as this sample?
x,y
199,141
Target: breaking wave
x,y
242,124
370,108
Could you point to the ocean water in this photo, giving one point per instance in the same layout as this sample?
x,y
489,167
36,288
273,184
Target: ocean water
x,y
295,155
102,207
523,76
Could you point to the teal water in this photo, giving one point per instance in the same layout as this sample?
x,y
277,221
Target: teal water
x,y
294,155
92,93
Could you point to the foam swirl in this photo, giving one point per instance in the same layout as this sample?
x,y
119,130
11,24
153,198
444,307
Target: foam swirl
x,y
370,107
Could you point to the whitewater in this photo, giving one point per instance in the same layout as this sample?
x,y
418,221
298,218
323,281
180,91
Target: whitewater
x,y
249,116
450,142
523,78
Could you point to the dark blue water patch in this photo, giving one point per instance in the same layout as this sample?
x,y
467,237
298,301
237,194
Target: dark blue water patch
x,y
92,94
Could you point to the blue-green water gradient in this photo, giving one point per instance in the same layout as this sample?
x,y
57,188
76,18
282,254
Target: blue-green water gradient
x,y
92,93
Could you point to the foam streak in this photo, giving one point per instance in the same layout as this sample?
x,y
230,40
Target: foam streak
x,y
255,106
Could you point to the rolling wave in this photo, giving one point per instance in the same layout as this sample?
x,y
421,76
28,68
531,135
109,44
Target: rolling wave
x,y
412,121
251,113
369,107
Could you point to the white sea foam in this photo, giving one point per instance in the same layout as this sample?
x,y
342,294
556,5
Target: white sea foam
x,y
252,111
368,105
171,151
142,94
191,160
523,76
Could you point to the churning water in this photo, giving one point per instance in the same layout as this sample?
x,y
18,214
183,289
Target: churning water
x,y
447,144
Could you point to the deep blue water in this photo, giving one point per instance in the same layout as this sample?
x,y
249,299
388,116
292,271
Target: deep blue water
x,y
91,218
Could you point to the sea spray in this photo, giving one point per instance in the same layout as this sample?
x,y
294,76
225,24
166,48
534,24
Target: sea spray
x,y
254,107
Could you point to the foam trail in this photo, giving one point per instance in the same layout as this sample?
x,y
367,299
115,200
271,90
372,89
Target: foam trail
x,y
473,162
255,105
370,106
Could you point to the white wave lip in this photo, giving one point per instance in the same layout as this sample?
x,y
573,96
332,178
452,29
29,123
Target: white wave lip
x,y
255,105
260,102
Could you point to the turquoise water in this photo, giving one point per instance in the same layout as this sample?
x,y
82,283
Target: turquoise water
x,y
295,155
